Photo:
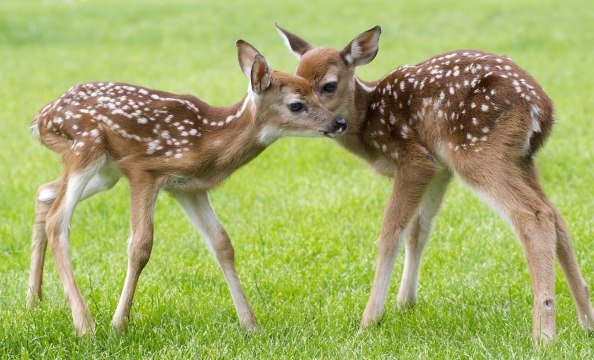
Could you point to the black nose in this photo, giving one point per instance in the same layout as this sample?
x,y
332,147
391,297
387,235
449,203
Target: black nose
x,y
341,123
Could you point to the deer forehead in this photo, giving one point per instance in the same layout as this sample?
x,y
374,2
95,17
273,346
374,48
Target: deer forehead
x,y
331,75
292,84
316,63
290,98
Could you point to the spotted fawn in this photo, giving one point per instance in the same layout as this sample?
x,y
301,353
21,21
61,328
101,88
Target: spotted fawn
x,y
465,112
159,140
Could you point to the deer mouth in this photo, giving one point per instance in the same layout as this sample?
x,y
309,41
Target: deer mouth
x,y
338,130
335,133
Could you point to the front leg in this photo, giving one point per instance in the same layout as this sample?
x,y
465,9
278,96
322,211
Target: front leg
x,y
410,183
143,196
417,234
204,219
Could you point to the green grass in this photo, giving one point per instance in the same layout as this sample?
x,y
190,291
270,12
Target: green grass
x,y
304,216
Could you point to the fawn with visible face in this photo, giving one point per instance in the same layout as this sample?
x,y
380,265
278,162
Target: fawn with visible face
x,y
464,112
159,140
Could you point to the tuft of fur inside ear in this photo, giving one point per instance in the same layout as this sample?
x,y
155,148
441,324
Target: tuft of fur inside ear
x,y
363,48
260,75
297,45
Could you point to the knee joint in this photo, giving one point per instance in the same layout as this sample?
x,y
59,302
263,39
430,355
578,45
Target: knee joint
x,y
140,252
387,246
538,220
223,247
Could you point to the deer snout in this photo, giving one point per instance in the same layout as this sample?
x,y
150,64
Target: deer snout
x,y
340,126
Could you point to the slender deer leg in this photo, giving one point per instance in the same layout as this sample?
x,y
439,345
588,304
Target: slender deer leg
x,y
58,222
46,195
143,196
409,187
539,245
534,222
580,290
417,235
204,219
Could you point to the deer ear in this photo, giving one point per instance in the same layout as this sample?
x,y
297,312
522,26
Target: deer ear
x,y
246,55
363,48
297,45
260,75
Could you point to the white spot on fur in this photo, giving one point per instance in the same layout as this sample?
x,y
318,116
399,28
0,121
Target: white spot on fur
x,y
152,146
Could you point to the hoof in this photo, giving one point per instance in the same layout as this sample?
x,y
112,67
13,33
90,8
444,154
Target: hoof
x,y
33,300
370,319
119,326
249,324
543,341
587,321
405,304
83,323
543,337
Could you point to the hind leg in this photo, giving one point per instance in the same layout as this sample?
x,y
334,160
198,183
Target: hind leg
x,y
46,194
580,291
504,186
58,222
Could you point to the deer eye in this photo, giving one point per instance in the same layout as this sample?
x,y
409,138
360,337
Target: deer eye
x,y
329,87
296,106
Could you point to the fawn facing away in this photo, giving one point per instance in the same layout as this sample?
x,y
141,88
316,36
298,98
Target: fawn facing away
x,y
159,140
464,112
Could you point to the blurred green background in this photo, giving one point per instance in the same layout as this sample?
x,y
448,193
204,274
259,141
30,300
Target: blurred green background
x,y
304,216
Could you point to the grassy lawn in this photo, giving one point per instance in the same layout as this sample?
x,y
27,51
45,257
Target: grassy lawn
x,y
303,217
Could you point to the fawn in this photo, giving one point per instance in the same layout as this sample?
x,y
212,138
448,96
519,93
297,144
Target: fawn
x,y
159,140
465,112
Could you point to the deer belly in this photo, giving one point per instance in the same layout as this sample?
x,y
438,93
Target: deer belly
x,y
183,184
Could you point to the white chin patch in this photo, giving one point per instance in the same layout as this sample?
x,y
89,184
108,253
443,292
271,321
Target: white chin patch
x,y
269,134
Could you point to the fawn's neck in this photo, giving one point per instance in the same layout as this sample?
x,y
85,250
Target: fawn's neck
x,y
232,138
362,99
356,116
